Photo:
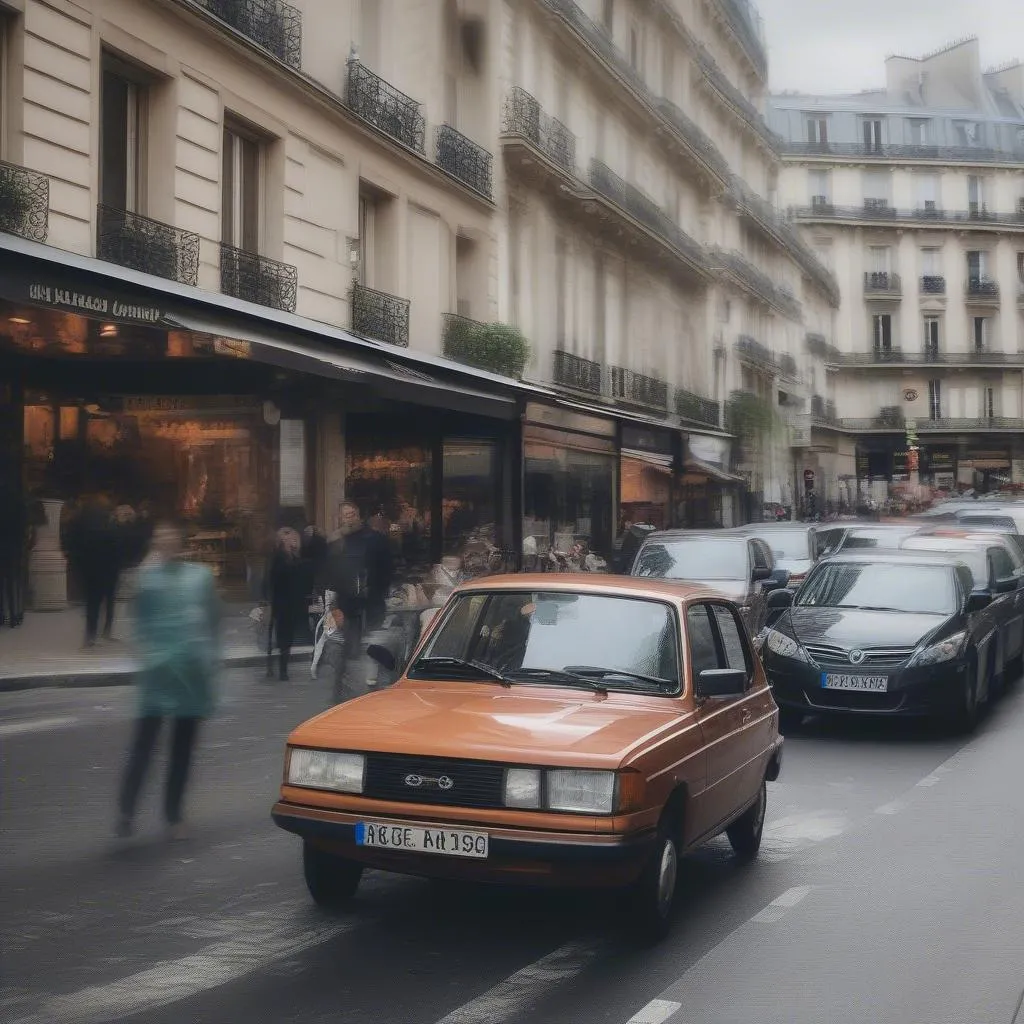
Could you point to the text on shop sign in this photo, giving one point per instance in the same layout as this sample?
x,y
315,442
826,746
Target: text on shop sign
x,y
86,303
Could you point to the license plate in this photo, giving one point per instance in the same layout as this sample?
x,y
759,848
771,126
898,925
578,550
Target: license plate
x,y
444,841
874,684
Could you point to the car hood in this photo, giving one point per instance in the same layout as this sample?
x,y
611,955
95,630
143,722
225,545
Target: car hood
x,y
736,590
854,627
481,720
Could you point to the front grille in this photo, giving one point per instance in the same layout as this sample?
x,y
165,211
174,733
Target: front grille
x,y
855,700
473,783
874,657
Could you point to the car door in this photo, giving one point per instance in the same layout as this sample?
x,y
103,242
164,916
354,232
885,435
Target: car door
x,y
1006,573
759,558
719,719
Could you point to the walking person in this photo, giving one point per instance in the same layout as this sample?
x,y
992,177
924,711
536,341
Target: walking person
x,y
287,594
177,627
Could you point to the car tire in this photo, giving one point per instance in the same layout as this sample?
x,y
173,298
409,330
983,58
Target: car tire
x,y
746,831
331,880
652,898
790,719
963,718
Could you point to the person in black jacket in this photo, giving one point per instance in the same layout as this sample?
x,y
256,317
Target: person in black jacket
x,y
286,592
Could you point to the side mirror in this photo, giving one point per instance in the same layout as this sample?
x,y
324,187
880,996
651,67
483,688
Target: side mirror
x,y
1007,586
761,572
382,656
722,682
978,601
780,599
778,579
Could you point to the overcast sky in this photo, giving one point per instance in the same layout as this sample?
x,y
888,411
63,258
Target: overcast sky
x,y
825,46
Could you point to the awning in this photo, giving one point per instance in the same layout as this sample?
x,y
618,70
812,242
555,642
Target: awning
x,y
651,458
698,466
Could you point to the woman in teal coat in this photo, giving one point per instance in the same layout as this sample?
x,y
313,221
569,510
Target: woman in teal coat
x,y
177,634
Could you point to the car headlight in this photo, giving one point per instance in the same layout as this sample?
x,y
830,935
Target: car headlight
x,y
784,646
944,650
565,789
326,769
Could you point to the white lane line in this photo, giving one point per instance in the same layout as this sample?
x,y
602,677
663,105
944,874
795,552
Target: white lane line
x,y
514,996
892,807
777,909
39,725
657,1011
173,980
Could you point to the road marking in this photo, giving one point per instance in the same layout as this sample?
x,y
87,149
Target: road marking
x,y
514,996
657,1011
173,980
776,910
39,725
892,807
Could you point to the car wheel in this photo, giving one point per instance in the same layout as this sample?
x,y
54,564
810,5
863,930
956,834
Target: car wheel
x,y
331,880
963,718
790,719
745,832
653,897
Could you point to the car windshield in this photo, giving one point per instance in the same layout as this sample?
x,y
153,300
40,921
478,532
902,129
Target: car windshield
x,y
1004,523
881,586
693,558
787,545
882,537
597,641
972,555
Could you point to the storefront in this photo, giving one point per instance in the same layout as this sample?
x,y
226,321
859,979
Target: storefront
x,y
708,494
649,459
570,477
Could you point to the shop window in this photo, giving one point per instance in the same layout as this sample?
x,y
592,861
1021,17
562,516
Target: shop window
x,y
241,188
469,487
646,492
122,136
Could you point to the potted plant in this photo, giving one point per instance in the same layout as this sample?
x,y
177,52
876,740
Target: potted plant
x,y
15,201
499,348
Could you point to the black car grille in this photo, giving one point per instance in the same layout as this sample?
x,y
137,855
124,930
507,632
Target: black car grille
x,y
856,700
874,657
434,780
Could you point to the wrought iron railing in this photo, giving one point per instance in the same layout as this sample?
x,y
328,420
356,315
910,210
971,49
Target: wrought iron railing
x,y
694,136
246,275
464,159
818,345
141,243
379,103
982,288
924,426
274,25
944,154
24,202
933,284
787,365
697,408
882,281
639,205
638,388
381,316
742,20
525,117
572,371
823,410
750,350
920,215
930,356
757,281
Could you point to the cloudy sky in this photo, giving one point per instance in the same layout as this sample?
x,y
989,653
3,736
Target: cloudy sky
x,y
839,45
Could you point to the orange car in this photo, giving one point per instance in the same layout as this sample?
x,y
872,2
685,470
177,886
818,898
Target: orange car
x,y
560,730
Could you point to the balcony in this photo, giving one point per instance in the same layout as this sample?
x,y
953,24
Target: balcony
x,y
24,202
882,282
879,211
380,316
819,346
932,284
697,408
525,119
696,139
638,389
254,278
884,423
382,105
753,352
742,21
497,348
930,357
982,291
787,366
823,412
140,243
642,208
757,282
464,159
578,374
940,154
275,26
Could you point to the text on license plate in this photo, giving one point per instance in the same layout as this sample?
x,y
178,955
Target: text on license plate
x,y
875,684
445,841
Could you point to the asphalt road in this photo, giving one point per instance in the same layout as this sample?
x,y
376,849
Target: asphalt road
x,y
890,888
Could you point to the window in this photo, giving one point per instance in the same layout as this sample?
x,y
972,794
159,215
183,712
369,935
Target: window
x,y
240,189
466,263
600,308
1020,267
927,191
369,32
975,195
561,299
636,48
989,402
819,182
935,399
918,131
877,186
977,265
736,655
931,262
817,130
703,651
881,331
931,336
872,129
608,14
122,135
980,332
968,133
879,259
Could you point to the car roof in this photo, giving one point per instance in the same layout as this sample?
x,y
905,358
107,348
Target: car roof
x,y
785,526
591,583
958,541
733,535
900,556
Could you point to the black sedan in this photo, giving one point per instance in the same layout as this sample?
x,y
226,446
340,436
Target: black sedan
x,y
879,633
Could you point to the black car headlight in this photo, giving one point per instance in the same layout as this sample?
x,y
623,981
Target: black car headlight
x,y
784,646
937,653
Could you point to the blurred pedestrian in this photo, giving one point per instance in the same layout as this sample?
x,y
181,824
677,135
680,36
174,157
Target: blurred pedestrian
x,y
177,629
287,594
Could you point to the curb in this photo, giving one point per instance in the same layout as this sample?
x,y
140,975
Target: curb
x,y
124,676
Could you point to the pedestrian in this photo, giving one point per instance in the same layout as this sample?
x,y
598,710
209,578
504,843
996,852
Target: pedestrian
x,y
357,567
177,633
287,595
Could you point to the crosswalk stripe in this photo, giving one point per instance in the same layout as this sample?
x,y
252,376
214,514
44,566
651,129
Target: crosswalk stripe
x,y
657,1011
36,725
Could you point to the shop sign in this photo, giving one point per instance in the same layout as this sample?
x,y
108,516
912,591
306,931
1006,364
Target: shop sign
x,y
549,416
642,439
940,460
181,403
97,303
709,449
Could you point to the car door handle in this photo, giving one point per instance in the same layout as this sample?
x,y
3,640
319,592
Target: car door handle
x,y
745,716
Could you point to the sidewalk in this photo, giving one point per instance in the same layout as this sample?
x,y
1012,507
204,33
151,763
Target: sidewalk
x,y
46,650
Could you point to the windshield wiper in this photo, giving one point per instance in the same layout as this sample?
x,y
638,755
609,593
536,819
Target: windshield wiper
x,y
562,675
477,666
585,671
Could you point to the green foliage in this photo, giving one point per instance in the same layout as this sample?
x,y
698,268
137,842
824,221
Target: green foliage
x,y
499,348
750,417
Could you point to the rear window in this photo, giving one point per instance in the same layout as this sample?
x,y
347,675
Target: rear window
x,y
973,555
996,522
